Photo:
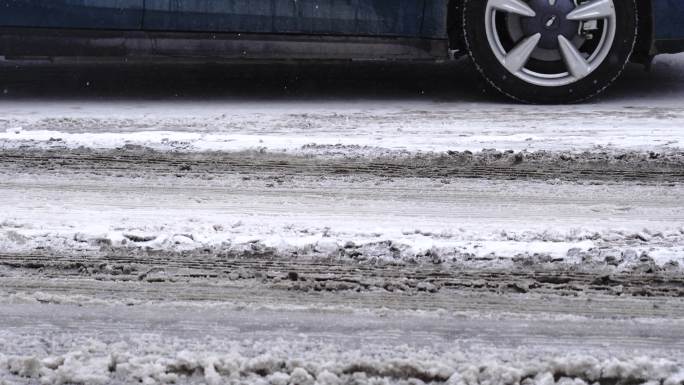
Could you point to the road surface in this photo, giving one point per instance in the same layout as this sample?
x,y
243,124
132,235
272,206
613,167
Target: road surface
x,y
356,224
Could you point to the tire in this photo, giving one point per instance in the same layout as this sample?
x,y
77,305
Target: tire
x,y
550,52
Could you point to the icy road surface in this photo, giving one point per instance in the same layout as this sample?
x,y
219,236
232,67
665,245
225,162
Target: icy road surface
x,y
362,224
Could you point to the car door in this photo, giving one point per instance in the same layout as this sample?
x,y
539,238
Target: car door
x,y
77,14
337,17
669,19
214,15
363,17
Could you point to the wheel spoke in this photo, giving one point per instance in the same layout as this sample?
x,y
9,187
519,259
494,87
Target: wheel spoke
x,y
593,10
513,6
518,57
577,64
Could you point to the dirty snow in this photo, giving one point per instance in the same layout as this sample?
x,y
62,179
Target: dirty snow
x,y
306,348
98,363
342,241
465,218
290,127
650,120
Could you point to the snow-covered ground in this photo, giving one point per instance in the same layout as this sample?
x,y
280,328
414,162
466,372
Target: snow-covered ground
x,y
349,240
646,116
292,126
461,220
211,346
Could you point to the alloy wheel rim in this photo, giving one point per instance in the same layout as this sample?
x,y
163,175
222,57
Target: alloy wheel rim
x,y
551,43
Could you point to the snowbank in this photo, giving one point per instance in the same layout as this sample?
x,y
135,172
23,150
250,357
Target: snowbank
x,y
278,363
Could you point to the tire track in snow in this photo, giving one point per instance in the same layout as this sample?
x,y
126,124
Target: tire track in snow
x,y
603,166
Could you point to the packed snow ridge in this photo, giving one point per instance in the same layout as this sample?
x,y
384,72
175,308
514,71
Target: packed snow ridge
x,y
618,248
96,363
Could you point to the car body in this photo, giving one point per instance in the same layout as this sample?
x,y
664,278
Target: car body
x,y
271,29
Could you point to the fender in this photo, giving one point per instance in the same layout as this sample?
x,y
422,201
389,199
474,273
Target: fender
x,y
668,20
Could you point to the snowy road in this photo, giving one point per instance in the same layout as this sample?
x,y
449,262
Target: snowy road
x,y
644,112
418,108
267,231
142,343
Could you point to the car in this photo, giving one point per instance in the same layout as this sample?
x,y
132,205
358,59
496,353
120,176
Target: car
x,y
538,51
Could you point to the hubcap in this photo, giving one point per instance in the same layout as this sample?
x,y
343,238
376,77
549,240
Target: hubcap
x,y
551,43
550,21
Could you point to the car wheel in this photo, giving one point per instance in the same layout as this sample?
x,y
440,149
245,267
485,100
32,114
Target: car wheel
x,y
550,51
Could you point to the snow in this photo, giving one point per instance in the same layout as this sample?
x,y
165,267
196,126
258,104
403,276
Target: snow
x,y
319,218
71,214
108,364
647,121
441,128
305,217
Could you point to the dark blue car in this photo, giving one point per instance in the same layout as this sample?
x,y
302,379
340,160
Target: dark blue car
x,y
531,50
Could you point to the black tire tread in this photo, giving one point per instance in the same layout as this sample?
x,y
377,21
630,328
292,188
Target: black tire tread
x,y
570,100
